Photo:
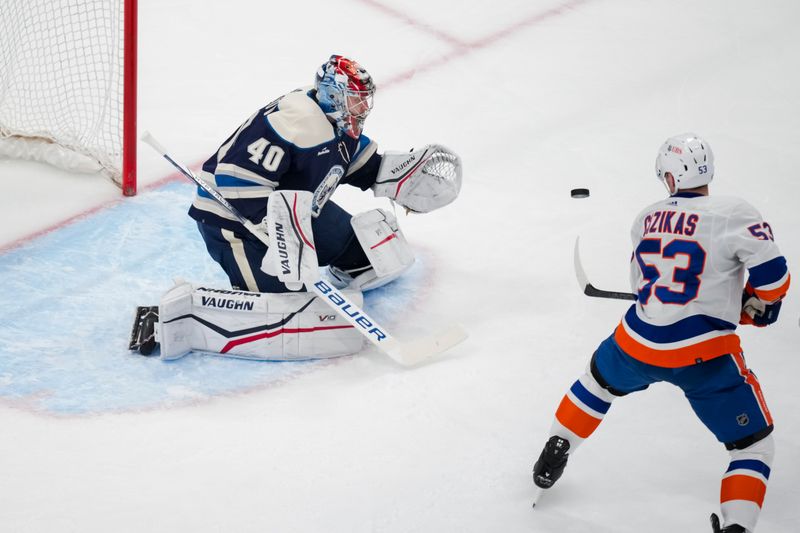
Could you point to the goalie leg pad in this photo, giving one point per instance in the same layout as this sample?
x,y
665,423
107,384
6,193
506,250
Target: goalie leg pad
x,y
385,246
252,325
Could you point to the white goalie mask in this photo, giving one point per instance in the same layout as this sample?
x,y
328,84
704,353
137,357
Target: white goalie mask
x,y
345,92
688,158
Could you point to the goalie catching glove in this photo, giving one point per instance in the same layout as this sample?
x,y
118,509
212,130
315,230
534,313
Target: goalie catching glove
x,y
291,255
420,180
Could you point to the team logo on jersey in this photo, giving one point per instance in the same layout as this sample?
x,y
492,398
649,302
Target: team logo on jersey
x,y
344,152
324,151
743,419
325,189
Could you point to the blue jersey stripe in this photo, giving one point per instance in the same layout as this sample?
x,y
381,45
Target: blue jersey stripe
x,y
750,464
363,142
583,394
224,180
683,329
768,272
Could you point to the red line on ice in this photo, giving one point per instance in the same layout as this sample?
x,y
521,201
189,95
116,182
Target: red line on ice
x,y
462,48
175,176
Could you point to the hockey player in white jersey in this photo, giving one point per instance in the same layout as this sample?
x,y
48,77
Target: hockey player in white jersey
x,y
279,169
690,255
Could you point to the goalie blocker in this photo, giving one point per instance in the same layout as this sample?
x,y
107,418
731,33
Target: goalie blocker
x,y
386,248
248,325
291,256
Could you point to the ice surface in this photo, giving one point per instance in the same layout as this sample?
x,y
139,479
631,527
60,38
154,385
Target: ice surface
x,y
65,341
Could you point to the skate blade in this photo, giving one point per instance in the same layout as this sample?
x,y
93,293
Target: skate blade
x,y
536,496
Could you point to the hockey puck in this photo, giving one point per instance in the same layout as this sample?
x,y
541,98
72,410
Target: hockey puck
x,y
579,193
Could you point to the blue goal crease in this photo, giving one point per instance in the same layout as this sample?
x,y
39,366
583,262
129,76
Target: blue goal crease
x,y
68,306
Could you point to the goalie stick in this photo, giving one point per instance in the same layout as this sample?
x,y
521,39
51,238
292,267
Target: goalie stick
x,y
589,289
404,353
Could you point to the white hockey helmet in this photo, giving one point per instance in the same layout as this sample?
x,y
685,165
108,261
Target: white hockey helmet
x,y
688,158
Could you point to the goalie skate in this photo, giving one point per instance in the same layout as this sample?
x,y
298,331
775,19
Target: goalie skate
x,y
143,334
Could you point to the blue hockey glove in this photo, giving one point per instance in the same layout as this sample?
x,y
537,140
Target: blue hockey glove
x,y
757,312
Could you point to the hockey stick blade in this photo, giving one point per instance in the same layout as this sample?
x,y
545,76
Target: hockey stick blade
x,y
414,352
589,289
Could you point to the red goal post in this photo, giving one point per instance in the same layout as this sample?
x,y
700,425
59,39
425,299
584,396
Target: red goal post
x,y
68,72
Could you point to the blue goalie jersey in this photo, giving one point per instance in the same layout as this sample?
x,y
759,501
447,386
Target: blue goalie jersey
x,y
288,144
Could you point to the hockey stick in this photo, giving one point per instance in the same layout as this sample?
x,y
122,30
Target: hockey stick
x,y
589,289
406,354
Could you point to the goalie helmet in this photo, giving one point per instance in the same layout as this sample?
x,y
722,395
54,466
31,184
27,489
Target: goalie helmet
x,y
688,158
345,92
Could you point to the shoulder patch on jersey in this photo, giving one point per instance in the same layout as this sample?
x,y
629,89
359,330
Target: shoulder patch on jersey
x,y
300,121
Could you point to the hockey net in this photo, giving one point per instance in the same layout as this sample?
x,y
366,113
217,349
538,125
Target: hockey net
x,y
68,85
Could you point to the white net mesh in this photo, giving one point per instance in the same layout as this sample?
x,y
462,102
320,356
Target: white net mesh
x,y
61,75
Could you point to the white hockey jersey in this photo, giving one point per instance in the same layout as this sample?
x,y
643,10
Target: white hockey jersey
x,y
687,268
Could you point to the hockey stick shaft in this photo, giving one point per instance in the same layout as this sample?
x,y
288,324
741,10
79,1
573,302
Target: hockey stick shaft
x,y
405,354
148,138
589,289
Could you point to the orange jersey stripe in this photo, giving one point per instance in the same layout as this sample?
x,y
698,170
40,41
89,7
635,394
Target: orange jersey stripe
x,y
774,294
742,488
752,380
575,419
688,355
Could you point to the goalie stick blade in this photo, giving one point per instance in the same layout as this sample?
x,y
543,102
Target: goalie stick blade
x,y
414,352
589,289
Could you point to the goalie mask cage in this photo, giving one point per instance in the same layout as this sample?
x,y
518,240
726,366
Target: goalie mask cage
x,y
68,85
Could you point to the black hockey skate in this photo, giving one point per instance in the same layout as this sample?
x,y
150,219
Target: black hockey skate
x,y
143,334
733,528
551,462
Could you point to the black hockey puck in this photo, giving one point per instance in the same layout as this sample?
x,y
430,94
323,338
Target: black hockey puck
x,y
579,193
